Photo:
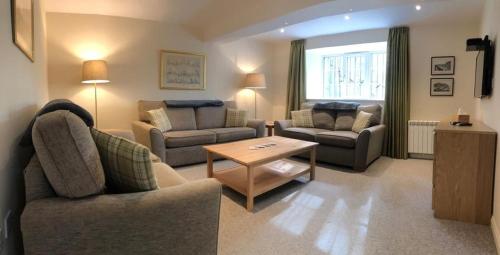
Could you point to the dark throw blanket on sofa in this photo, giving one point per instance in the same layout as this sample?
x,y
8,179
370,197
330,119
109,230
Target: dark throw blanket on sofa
x,y
336,106
54,105
193,103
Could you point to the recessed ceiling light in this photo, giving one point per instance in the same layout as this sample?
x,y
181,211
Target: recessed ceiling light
x,y
418,7
347,17
282,30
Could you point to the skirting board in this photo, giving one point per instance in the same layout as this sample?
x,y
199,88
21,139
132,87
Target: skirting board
x,y
496,233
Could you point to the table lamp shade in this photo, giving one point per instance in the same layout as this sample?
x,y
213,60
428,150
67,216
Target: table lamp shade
x,y
255,81
95,71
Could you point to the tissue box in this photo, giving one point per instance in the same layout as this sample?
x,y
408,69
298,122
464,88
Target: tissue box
x,y
463,118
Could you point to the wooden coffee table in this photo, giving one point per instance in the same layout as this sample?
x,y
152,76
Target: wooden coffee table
x,y
263,164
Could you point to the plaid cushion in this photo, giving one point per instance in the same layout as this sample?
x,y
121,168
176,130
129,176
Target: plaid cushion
x,y
362,121
127,164
236,118
302,118
159,119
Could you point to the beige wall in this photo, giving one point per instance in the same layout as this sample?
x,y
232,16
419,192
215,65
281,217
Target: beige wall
x,y
425,41
24,90
428,41
131,47
487,108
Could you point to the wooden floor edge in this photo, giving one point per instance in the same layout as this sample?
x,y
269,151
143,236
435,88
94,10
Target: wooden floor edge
x,y
496,233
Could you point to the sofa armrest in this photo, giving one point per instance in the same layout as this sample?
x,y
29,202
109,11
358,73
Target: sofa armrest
x,y
151,137
259,126
280,125
369,146
182,219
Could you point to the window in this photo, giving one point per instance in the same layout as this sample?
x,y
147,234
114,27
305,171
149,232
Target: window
x,y
352,72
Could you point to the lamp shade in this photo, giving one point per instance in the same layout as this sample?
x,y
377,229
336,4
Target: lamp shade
x,y
95,71
255,81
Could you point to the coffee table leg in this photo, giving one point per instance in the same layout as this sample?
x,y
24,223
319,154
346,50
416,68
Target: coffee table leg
x,y
210,165
249,189
312,160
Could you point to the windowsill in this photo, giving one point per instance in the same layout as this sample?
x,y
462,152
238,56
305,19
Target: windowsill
x,y
356,100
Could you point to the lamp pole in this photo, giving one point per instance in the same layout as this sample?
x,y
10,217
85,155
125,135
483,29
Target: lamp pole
x,y
95,106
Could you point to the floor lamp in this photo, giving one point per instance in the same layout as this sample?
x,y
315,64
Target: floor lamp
x,y
95,72
255,81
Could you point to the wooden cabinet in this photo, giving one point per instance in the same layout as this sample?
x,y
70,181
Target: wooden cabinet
x,y
464,166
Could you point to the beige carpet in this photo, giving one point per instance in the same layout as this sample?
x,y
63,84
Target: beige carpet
x,y
385,210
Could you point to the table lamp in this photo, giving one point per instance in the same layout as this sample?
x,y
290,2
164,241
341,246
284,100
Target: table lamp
x,y
255,81
95,72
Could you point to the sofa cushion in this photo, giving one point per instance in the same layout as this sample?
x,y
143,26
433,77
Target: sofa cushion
x,y
181,118
236,118
302,118
36,184
127,164
362,121
324,119
166,176
174,139
225,135
211,117
306,134
376,110
345,139
159,119
345,120
68,155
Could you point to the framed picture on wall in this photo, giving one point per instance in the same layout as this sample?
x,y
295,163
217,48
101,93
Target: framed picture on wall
x,y
443,65
182,70
442,86
22,26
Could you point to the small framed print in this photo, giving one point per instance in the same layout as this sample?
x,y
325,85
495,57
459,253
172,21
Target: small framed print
x,y
442,86
443,65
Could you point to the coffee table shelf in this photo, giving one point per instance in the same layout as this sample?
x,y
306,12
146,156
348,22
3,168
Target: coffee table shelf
x,y
266,177
262,168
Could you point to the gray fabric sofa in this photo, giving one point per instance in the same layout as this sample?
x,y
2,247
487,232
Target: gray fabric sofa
x,y
179,218
191,129
337,143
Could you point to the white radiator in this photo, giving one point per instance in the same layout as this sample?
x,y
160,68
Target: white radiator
x,y
421,137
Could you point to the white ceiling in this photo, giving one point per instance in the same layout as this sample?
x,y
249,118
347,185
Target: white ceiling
x,y
435,12
234,19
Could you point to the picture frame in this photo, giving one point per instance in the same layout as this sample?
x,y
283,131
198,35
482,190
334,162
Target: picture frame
x,y
182,70
23,26
443,65
442,86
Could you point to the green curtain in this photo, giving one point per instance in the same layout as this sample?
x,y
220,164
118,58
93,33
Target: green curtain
x,y
296,90
397,99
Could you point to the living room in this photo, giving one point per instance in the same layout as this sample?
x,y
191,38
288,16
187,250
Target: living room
x,y
274,144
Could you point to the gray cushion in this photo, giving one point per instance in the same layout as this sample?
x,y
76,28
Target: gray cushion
x,y
36,184
181,118
211,117
345,139
374,109
306,134
225,135
174,139
166,176
324,119
68,155
345,120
